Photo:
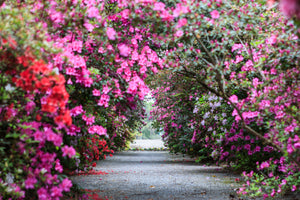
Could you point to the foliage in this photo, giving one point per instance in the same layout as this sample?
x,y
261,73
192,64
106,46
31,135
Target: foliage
x,y
33,112
64,62
245,56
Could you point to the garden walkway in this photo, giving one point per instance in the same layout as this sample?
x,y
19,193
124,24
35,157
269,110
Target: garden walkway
x,y
157,175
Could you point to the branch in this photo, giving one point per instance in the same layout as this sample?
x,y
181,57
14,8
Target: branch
x,y
206,50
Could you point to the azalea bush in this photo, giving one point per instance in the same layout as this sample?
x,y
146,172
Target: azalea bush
x,y
246,55
71,93
33,113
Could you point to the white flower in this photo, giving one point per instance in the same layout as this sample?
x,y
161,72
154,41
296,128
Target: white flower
x,y
9,88
55,70
43,171
9,178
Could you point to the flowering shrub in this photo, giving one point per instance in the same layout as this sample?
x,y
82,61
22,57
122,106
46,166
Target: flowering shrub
x,y
77,70
94,148
33,112
244,54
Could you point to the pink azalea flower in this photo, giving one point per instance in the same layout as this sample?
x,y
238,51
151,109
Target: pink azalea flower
x,y
119,70
154,70
77,111
88,120
47,157
132,88
239,59
143,69
273,71
234,99
66,184
264,165
77,46
271,174
106,89
180,10
43,194
297,145
39,136
69,82
30,106
104,99
215,14
89,26
58,140
101,50
96,93
256,82
52,137
159,6
290,148
58,166
273,193
135,55
56,192
279,114
125,13
248,66
72,130
97,129
68,151
249,114
78,62
179,33
289,129
50,179
88,82
272,39
124,50
264,104
92,12
111,33
236,46
182,22
29,182
296,139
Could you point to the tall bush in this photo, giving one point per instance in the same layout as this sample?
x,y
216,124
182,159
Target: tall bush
x,y
247,55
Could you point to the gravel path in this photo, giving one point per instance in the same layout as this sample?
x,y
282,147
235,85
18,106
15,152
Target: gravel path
x,y
150,175
158,175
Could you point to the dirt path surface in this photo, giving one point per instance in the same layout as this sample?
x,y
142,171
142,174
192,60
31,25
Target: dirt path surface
x,y
151,175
